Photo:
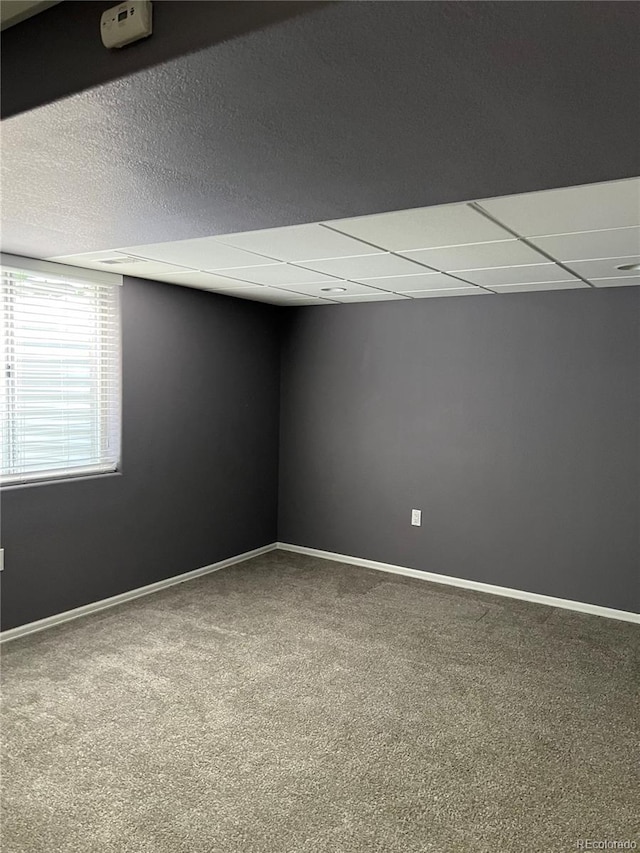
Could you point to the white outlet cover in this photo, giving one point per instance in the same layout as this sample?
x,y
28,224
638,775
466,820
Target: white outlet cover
x,y
416,517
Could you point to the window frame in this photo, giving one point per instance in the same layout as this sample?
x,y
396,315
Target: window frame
x,y
74,275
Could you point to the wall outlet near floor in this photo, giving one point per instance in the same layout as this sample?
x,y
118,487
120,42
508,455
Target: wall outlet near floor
x,y
416,517
1,559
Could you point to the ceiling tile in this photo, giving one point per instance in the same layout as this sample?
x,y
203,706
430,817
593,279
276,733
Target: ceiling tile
x,y
276,297
131,266
204,253
248,290
307,300
589,208
589,245
460,291
517,275
268,294
278,274
323,289
369,297
423,228
206,280
605,269
615,282
365,266
478,256
547,285
407,283
297,243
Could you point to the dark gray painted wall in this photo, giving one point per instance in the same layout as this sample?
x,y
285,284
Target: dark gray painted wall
x,y
513,422
354,108
199,474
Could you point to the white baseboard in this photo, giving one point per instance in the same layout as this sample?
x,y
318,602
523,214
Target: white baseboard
x,y
76,613
478,586
537,598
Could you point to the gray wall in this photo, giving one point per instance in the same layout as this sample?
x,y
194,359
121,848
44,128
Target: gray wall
x,y
513,422
200,451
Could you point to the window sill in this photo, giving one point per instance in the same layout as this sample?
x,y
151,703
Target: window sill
x,y
9,487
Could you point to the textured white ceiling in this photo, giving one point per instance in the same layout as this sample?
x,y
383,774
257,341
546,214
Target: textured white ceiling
x,y
558,239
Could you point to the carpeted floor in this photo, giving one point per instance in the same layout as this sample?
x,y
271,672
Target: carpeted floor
x,y
292,705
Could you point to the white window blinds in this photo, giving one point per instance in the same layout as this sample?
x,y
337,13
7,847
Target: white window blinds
x,y
60,382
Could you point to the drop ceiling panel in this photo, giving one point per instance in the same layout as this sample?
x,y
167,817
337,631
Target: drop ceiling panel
x,y
423,228
362,297
461,291
448,250
272,295
407,283
247,291
365,266
320,289
205,253
615,282
478,256
278,275
517,275
305,300
547,285
206,280
588,208
131,266
298,243
590,245
605,269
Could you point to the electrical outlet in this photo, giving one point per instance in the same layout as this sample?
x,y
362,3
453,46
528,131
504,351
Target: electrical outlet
x,y
1,559
416,517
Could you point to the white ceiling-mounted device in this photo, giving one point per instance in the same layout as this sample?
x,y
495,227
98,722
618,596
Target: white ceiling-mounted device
x,y
126,23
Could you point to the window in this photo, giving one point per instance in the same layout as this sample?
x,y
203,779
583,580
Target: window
x,y
60,382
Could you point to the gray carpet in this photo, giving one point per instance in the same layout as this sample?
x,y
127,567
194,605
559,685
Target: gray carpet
x,y
292,705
